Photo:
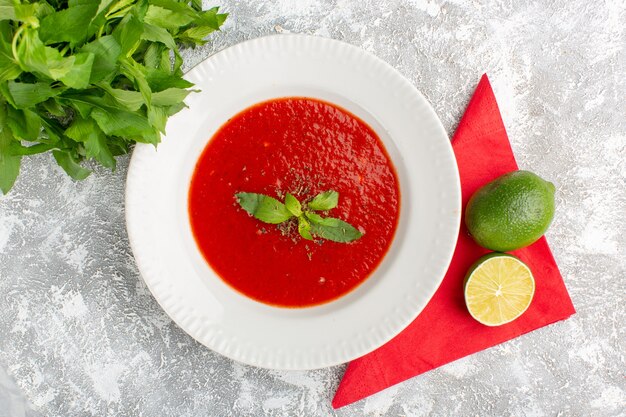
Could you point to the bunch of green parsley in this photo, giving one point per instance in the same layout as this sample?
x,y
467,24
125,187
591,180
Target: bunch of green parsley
x,y
86,79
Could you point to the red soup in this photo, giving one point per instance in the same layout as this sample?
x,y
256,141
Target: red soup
x,y
302,146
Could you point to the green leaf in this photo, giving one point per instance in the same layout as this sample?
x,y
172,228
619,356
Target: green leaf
x,y
166,62
118,122
264,208
86,131
132,100
170,96
70,165
35,57
7,12
136,73
196,34
9,163
9,68
325,201
168,19
160,80
172,110
80,72
304,228
54,108
52,131
128,34
31,52
68,25
157,116
28,95
113,120
158,34
18,150
333,229
106,52
153,54
25,124
196,4
212,18
56,65
26,13
316,218
119,9
293,205
98,22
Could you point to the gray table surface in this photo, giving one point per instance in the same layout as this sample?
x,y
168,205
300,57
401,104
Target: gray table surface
x,y
81,335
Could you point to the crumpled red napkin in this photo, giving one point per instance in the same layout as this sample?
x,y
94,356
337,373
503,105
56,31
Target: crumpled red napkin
x,y
445,331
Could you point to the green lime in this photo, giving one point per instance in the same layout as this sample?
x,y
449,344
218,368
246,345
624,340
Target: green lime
x,y
498,289
511,212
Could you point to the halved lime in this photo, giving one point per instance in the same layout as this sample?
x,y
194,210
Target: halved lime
x,y
498,289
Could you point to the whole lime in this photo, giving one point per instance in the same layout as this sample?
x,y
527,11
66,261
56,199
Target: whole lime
x,y
511,212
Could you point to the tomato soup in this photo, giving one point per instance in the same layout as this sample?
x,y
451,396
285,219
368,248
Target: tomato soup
x,y
304,147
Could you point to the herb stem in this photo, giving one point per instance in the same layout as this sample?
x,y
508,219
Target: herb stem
x,y
17,34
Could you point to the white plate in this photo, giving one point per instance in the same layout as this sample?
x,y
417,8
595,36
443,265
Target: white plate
x,y
255,333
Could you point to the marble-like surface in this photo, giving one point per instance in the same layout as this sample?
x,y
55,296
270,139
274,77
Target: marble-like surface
x,y
81,335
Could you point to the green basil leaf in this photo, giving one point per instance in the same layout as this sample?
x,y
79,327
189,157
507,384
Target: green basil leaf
x,y
335,230
264,208
304,228
293,205
28,95
70,165
325,201
317,219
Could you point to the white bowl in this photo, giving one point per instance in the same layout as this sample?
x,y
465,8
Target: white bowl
x,y
280,338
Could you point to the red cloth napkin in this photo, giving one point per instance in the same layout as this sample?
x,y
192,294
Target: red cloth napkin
x,y
445,331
